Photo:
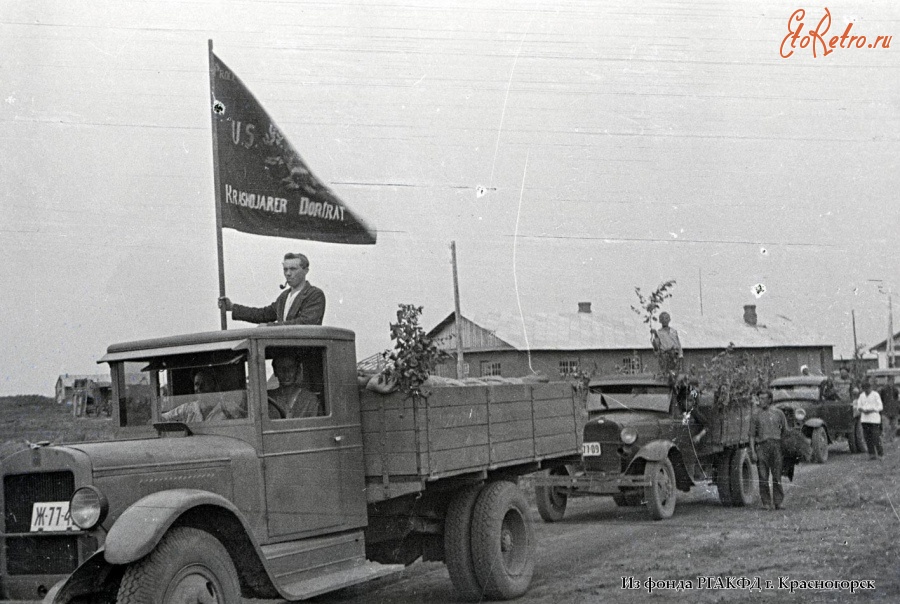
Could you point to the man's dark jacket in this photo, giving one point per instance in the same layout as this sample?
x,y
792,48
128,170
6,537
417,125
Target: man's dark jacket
x,y
308,309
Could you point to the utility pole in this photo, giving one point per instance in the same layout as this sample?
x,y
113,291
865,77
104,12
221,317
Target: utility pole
x,y
457,315
700,277
855,347
890,340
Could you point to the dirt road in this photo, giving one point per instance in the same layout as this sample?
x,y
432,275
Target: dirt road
x,y
840,523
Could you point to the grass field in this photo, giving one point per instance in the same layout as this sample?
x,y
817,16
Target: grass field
x,y
33,418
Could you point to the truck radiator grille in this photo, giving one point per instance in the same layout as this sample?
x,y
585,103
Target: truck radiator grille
x,y
38,555
607,434
21,491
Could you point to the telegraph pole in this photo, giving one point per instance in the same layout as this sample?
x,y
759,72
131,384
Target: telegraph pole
x,y
890,340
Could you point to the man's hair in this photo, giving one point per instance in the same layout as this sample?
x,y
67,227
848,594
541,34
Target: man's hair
x,y
664,313
304,261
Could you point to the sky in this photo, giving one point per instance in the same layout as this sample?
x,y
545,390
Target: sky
x,y
617,145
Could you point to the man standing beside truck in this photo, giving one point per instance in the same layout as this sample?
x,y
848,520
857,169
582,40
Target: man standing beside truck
x,y
767,428
869,406
301,303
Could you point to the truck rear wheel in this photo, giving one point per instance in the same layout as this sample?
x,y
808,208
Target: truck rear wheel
x,y
742,478
458,544
502,541
723,477
189,566
819,445
551,501
660,495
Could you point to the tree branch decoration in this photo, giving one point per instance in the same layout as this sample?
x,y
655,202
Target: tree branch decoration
x,y
415,355
735,377
650,305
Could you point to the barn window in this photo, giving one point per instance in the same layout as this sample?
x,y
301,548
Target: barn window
x,y
568,366
490,368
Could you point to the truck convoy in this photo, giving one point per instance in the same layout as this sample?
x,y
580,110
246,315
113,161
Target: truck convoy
x,y
228,491
645,440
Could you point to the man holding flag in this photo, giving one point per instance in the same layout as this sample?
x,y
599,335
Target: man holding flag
x,y
264,187
301,304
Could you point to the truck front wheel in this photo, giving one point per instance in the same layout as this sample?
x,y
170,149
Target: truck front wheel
x,y
660,494
189,566
502,541
458,544
552,501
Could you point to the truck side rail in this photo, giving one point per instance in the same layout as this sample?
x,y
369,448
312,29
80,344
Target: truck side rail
x,y
409,442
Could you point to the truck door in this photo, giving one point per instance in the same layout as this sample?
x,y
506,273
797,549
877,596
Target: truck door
x,y
305,442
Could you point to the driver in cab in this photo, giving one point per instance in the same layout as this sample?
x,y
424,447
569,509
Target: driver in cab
x,y
292,398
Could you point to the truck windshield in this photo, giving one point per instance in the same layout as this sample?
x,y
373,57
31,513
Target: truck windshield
x,y
637,397
795,393
193,388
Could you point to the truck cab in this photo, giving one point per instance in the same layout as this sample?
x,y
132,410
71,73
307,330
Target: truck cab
x,y
209,443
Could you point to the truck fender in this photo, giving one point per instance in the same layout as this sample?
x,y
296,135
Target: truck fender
x,y
140,527
657,450
86,579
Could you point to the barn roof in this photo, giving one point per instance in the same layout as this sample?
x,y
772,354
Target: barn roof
x,y
596,331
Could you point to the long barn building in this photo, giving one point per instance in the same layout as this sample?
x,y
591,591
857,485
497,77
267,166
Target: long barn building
x,y
555,344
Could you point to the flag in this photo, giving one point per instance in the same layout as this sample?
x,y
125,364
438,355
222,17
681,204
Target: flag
x,y
264,186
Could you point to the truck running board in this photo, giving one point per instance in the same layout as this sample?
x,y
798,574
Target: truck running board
x,y
357,572
309,567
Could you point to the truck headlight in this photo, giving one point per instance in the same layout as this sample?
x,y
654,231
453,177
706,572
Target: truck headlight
x,y
800,414
88,507
628,435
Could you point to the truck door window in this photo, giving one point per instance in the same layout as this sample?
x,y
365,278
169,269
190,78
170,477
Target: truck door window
x,y
295,384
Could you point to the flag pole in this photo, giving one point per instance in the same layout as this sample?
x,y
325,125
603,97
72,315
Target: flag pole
x,y
215,146
457,316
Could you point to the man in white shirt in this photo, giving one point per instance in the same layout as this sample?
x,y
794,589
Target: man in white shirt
x,y
869,406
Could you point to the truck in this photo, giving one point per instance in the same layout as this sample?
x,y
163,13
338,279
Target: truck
x,y
226,492
821,410
645,439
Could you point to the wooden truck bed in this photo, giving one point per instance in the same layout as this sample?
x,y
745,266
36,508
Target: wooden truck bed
x,y
464,429
729,426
